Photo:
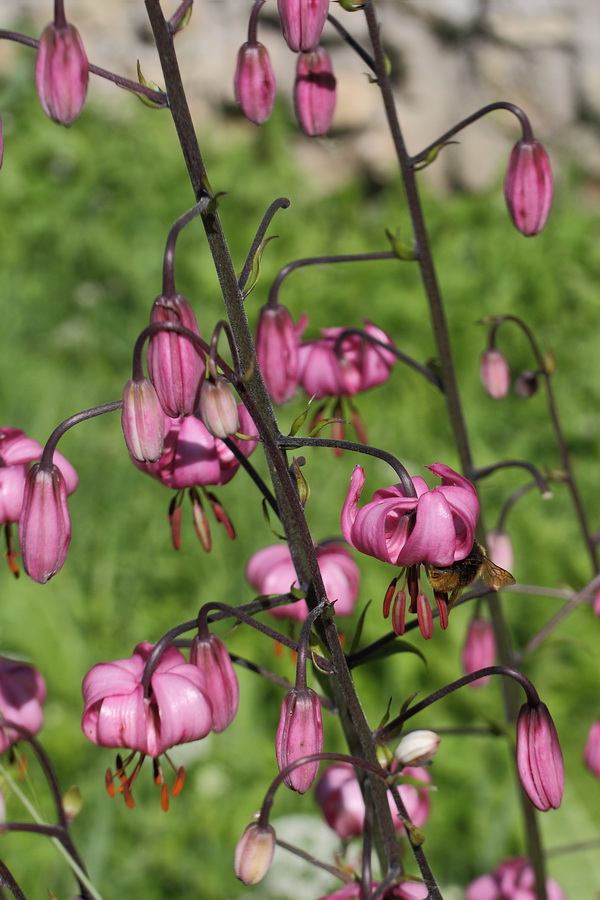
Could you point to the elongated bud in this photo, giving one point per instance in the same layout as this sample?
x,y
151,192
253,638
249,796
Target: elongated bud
x,y
61,73
479,650
254,82
314,92
175,364
591,754
539,757
142,420
218,409
495,373
528,187
417,748
210,655
299,734
277,352
254,853
500,549
44,525
302,22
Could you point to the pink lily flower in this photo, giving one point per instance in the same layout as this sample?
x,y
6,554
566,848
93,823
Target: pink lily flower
x,y
512,879
277,340
479,650
528,186
302,22
406,890
591,754
539,757
271,571
61,72
434,528
22,692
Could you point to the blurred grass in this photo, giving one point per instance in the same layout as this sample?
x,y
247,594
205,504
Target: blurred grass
x,y
85,213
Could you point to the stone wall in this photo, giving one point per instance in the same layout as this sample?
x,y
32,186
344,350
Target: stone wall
x,y
449,56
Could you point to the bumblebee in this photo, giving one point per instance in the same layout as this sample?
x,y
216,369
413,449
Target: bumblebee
x,y
452,579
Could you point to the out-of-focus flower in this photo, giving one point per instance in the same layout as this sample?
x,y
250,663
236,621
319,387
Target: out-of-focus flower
x,y
175,364
302,22
299,734
417,748
1,143
61,72
330,367
495,373
512,879
595,601
591,754
22,692
526,384
539,757
500,549
479,649
406,890
254,853
436,527
277,351
44,523
339,796
210,655
218,409
142,420
314,92
254,82
528,186
271,571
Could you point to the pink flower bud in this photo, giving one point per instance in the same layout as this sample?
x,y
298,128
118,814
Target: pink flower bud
x,y
302,22
539,757
218,409
61,73
254,82
277,352
596,603
142,420
44,524
299,734
591,754
22,692
210,655
528,186
479,650
495,374
417,748
314,92
175,364
254,853
500,549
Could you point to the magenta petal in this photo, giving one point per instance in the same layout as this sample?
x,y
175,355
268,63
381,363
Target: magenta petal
x,y
117,721
350,507
433,538
184,711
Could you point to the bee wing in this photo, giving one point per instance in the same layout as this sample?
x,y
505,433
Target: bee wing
x,y
493,576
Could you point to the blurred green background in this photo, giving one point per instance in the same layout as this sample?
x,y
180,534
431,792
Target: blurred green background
x,y
84,215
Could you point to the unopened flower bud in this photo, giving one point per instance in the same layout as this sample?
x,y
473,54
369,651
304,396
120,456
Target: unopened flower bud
x,y
44,525
175,364
526,384
500,549
591,754
528,186
314,92
210,655
218,409
299,734
254,82
302,22
277,352
479,650
61,73
539,757
495,373
417,748
142,420
254,853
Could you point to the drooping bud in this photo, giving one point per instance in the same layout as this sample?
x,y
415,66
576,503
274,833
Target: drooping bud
x,y
302,22
479,650
218,409
142,420
254,84
61,73
314,92
277,352
175,364
495,373
591,754
500,549
528,186
526,384
210,655
539,757
417,748
299,734
254,853
44,525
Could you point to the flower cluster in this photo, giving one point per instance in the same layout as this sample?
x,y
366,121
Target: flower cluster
x,y
512,879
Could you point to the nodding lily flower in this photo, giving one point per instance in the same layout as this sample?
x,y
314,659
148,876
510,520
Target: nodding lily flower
x,y
302,22
314,92
118,714
512,879
591,754
61,72
528,186
22,692
271,571
539,757
406,890
254,82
